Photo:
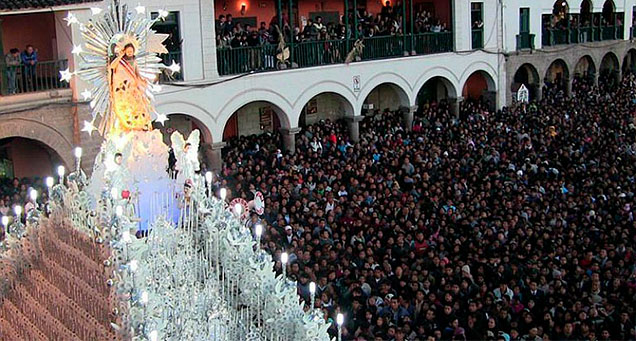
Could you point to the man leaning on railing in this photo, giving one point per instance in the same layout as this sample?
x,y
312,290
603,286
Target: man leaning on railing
x,y
12,60
29,61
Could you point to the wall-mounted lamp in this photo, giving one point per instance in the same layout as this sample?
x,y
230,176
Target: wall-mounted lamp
x,y
243,8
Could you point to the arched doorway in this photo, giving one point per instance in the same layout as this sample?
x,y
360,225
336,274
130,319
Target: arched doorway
x,y
27,158
438,91
254,118
560,12
480,87
584,74
608,17
185,124
629,62
325,106
557,77
609,71
528,76
585,19
385,96
38,131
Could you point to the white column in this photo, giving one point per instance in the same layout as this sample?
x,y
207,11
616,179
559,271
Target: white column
x,y
461,25
407,117
214,155
289,139
208,39
354,127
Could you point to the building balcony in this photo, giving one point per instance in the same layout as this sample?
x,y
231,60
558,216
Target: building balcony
x,y
478,38
525,40
565,36
42,77
326,52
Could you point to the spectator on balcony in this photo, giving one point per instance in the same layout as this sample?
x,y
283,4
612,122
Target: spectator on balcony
x,y
13,62
229,24
29,59
220,25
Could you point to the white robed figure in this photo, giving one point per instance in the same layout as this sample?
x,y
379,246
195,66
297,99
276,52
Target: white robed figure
x,y
186,153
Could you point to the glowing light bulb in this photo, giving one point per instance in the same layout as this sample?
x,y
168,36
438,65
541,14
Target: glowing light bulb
x,y
312,288
33,194
5,220
153,335
208,177
340,319
61,171
238,209
119,211
125,236
284,257
259,230
114,193
78,152
133,265
50,181
223,193
144,297
18,210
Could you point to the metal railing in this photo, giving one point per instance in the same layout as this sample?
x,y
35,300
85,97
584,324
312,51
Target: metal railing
x,y
525,40
167,59
552,37
43,76
478,38
325,52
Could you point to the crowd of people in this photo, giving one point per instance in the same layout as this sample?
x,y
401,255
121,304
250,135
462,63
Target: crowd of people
x,y
388,22
516,224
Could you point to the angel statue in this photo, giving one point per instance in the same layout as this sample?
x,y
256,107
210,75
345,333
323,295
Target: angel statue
x,y
129,104
186,153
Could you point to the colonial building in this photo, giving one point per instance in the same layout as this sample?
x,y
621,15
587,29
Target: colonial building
x,y
437,50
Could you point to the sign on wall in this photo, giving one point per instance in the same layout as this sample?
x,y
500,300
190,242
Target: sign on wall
x,y
356,83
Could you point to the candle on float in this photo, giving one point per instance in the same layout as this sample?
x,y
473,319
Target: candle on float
x,y
78,157
259,233
60,172
312,292
208,180
223,193
49,185
5,223
340,321
284,258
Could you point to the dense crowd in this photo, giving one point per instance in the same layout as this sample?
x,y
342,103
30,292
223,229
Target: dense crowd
x,y
509,225
388,22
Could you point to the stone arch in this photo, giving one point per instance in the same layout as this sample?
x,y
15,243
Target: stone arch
x,y
38,131
201,117
345,93
609,70
584,74
281,106
527,75
557,75
480,84
629,62
386,96
325,105
586,19
396,81
608,12
185,124
255,117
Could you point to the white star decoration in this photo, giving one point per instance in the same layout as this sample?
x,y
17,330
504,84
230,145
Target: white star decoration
x,y
87,94
66,75
174,67
163,13
89,128
71,19
161,118
77,49
140,9
96,10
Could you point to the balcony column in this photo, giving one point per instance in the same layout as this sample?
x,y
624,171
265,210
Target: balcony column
x,y
568,85
346,23
291,33
289,139
353,123
407,117
279,14
539,93
404,48
355,20
214,156
454,105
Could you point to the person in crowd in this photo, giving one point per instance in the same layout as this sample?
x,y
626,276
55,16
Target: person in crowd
x,y
29,58
12,60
